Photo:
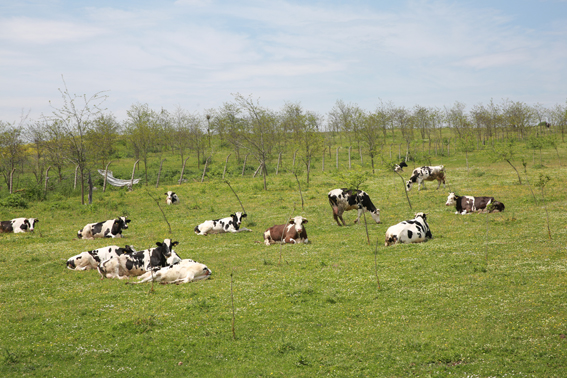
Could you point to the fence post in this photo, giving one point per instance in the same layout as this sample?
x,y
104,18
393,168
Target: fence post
x,y
205,170
47,177
337,155
225,164
75,182
349,148
182,171
131,187
159,172
244,165
105,177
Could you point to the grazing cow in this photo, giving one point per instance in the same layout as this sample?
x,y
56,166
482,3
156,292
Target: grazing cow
x,y
172,198
219,226
138,263
400,167
469,204
411,231
342,200
182,272
293,232
90,259
108,229
426,174
18,225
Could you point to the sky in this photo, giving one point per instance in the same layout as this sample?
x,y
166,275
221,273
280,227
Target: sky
x,y
196,54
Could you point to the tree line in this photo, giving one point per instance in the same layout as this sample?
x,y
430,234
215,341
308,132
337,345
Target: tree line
x,y
80,133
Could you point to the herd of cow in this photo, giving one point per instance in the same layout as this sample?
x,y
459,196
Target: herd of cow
x,y
162,264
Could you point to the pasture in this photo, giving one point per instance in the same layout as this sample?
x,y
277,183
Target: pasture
x,y
486,297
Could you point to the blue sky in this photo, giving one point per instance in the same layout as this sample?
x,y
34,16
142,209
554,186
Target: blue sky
x,y
194,54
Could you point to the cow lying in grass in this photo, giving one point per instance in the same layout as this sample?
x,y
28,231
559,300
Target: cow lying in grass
x,y
135,264
293,232
90,259
410,231
185,271
171,198
18,225
219,226
111,228
470,204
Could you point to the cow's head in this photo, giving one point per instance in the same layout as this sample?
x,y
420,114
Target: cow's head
x,y
451,200
376,215
410,182
400,167
421,215
298,223
80,234
31,222
200,271
123,222
170,197
237,218
167,246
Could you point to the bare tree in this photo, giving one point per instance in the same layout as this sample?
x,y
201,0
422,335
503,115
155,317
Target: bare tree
x,y
141,131
75,117
258,134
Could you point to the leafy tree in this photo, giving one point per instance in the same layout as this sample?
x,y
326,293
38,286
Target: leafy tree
x,y
36,136
370,131
506,151
101,138
11,151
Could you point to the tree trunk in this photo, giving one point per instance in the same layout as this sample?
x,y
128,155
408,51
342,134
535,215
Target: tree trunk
x,y
337,157
90,189
75,182
349,149
264,174
11,182
205,169
294,158
323,163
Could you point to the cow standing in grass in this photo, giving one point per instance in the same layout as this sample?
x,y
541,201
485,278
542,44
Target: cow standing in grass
x,y
342,200
419,175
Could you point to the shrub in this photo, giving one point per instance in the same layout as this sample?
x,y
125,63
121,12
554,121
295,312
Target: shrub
x,y
14,200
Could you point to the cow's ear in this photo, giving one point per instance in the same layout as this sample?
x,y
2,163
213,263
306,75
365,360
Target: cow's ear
x,y
244,215
232,215
158,244
291,220
128,220
36,220
174,243
305,220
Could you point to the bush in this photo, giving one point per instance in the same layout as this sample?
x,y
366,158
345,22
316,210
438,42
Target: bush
x,y
14,200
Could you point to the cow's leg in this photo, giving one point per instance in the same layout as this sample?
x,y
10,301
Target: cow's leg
x,y
289,240
336,215
358,217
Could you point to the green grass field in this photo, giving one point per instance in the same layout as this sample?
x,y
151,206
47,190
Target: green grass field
x,y
486,297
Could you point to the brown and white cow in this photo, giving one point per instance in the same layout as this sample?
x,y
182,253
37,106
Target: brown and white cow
x,y
426,173
470,204
342,200
293,232
18,225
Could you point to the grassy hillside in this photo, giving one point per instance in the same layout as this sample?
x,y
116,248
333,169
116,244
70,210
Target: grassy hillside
x,y
486,297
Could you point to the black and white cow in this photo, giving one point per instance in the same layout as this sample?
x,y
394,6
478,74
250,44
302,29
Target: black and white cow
x,y
90,259
342,200
410,231
400,167
111,228
219,226
470,204
185,271
293,232
18,225
171,198
426,174
137,263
